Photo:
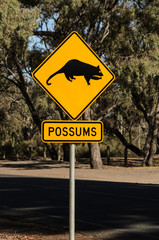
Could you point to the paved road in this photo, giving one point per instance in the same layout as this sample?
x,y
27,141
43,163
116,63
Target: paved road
x,y
110,210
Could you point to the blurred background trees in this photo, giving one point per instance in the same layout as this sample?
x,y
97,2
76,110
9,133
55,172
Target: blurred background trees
x,y
125,34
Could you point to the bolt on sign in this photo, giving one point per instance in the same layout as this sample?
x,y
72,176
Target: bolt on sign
x,y
73,75
72,131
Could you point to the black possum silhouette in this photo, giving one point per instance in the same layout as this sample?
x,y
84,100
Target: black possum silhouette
x,y
75,67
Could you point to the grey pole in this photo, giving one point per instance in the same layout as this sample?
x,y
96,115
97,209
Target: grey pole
x,y
72,192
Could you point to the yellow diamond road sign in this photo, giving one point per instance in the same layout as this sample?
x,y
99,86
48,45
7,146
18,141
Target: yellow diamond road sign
x,y
73,75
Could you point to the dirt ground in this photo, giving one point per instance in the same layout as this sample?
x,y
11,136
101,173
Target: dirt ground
x,y
54,169
50,169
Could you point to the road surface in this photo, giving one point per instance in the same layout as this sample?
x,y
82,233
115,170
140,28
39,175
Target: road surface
x,y
109,210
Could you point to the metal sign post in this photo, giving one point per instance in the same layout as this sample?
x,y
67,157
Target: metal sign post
x,y
72,192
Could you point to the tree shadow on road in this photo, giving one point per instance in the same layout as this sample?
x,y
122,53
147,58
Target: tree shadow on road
x,y
33,165
109,210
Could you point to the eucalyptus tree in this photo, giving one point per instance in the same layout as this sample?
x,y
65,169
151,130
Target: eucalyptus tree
x,y
17,23
134,53
125,35
11,104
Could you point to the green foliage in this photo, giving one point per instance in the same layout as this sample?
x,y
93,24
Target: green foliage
x,y
82,151
16,23
116,147
124,33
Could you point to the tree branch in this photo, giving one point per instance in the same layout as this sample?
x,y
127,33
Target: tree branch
x,y
108,5
19,70
10,80
47,34
106,32
139,106
130,146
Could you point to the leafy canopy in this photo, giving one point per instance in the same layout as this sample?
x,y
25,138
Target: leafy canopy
x,y
16,22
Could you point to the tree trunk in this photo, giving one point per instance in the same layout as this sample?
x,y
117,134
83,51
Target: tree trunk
x,y
66,152
3,153
149,155
17,156
146,149
95,156
151,142
60,152
30,153
108,155
125,157
44,153
94,150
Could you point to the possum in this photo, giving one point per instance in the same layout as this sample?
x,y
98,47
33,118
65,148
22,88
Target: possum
x,y
75,67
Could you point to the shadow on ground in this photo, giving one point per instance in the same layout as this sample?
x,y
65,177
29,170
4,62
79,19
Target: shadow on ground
x,y
109,210
50,164
34,164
